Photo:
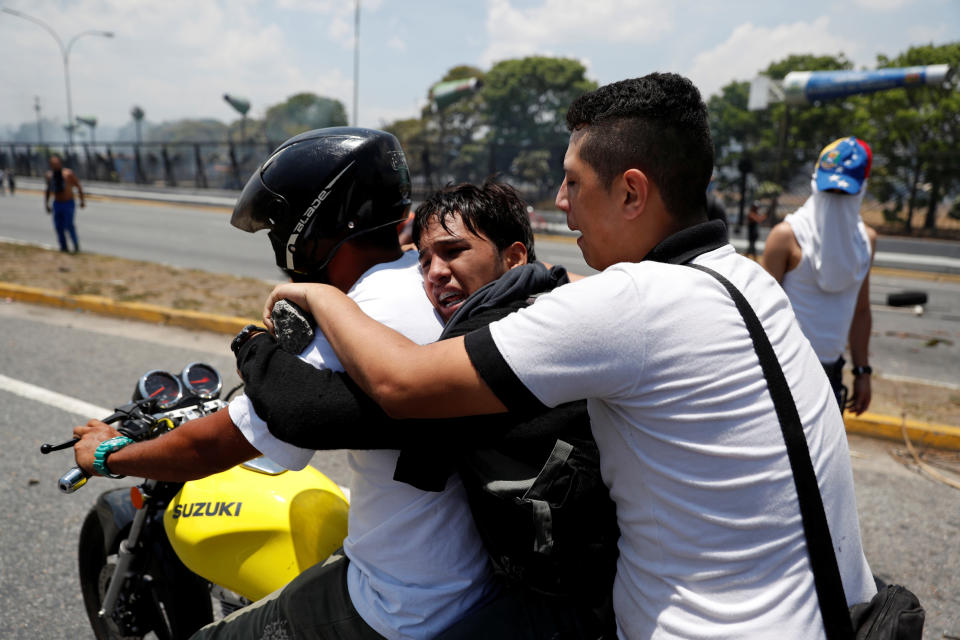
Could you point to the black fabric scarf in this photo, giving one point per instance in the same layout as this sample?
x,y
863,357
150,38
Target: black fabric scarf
x,y
57,184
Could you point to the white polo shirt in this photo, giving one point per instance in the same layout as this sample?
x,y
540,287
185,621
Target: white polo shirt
x,y
417,563
712,544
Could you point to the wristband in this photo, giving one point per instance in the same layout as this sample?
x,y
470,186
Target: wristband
x,y
864,370
104,449
245,334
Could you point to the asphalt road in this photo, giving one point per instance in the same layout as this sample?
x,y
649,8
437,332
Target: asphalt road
x,y
198,237
909,522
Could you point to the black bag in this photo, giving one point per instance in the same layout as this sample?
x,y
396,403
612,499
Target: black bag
x,y
547,519
550,525
894,613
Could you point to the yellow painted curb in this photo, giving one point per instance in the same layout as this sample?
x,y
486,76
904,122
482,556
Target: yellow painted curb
x,y
133,310
940,436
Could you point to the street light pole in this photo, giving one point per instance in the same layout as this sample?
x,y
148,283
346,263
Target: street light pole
x,y
356,61
36,107
65,53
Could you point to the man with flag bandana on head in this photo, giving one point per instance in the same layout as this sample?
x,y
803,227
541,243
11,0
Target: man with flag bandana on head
x,y
821,254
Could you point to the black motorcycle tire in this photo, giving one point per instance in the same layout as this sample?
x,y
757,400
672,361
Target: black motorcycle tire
x,y
178,600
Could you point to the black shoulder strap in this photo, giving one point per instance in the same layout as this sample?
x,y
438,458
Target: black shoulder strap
x,y
823,560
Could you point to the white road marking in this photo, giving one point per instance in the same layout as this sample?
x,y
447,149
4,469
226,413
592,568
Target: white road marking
x,y
52,398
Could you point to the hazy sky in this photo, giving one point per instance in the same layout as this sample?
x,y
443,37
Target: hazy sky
x,y
176,58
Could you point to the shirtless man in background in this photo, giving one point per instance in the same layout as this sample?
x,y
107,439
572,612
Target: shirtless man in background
x,y
61,183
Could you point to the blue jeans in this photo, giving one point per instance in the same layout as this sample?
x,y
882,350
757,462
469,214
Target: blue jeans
x,y
63,213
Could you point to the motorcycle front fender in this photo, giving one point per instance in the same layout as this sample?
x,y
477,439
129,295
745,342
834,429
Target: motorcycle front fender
x,y
115,513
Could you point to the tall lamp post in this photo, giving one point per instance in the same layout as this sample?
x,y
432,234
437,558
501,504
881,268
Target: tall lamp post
x,y
91,122
241,106
65,52
356,62
137,114
36,107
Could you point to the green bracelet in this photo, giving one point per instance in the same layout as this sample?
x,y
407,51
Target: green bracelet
x,y
104,449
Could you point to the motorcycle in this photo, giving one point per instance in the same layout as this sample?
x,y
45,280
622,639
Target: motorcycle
x,y
155,557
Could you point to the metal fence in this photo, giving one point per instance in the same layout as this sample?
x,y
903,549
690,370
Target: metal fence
x,y
212,165
227,165
173,164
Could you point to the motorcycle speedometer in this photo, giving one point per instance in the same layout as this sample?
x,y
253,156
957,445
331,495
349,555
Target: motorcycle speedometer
x,y
201,380
161,387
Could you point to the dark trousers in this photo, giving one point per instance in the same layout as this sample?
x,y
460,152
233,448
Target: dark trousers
x,y
521,614
315,605
63,214
835,375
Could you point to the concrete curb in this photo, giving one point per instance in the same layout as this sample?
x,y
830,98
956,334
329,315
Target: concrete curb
x,y
940,436
132,310
927,434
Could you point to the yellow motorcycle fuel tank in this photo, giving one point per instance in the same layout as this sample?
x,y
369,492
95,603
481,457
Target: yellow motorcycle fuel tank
x,y
255,527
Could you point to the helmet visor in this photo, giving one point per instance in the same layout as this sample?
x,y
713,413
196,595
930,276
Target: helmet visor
x,y
257,207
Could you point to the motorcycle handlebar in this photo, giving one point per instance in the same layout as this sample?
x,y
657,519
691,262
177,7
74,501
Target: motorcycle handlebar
x,y
76,477
72,480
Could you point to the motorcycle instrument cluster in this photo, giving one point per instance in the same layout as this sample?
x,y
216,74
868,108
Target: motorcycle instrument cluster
x,y
201,380
161,387
167,390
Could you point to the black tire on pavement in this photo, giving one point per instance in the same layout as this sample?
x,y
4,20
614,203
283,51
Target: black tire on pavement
x,y
906,298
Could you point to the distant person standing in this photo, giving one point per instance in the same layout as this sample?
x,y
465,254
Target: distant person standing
x,y
11,182
754,220
821,254
2,192
61,183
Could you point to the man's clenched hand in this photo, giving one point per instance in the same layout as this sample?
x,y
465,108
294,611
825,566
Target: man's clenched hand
x,y
91,435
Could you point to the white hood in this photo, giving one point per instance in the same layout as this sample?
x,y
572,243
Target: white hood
x,y
831,234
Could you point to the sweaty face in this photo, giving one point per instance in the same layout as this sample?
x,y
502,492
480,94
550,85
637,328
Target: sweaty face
x,y
456,263
589,206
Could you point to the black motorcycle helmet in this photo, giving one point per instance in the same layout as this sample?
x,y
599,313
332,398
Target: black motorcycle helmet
x,y
322,188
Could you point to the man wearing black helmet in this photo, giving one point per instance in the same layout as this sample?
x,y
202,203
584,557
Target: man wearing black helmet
x,y
331,200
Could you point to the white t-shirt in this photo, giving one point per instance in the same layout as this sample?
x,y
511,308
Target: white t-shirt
x,y
712,544
417,563
824,316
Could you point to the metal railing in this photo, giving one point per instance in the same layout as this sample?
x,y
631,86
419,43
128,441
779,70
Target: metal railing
x,y
227,165
173,164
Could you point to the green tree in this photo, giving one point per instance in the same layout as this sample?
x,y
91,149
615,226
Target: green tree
x,y
453,132
410,133
526,101
533,166
915,136
187,130
302,112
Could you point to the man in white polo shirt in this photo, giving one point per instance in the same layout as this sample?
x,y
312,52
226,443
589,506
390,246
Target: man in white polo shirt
x,y
711,544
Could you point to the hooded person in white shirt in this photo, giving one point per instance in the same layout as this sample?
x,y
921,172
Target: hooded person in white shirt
x,y
821,255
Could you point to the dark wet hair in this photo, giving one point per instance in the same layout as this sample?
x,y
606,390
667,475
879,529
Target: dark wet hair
x,y
494,209
658,124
